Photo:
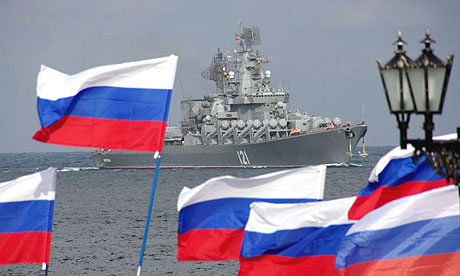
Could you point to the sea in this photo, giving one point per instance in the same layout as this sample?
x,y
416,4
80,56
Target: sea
x,y
100,214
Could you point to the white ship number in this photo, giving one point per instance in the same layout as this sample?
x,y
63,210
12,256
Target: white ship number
x,y
243,157
106,160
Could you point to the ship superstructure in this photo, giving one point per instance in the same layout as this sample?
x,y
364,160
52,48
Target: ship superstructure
x,y
245,108
245,122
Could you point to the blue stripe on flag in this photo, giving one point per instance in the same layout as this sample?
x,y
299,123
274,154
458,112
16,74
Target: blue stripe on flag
x,y
26,216
108,103
425,237
402,170
302,242
226,213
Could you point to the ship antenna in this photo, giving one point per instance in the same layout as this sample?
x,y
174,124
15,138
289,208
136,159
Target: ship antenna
x,y
364,153
239,35
181,86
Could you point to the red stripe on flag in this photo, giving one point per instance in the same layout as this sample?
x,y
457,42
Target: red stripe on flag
x,y
273,265
105,133
385,194
209,245
25,247
447,264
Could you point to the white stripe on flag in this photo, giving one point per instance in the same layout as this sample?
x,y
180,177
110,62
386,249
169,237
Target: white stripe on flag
x,y
151,74
305,182
398,153
436,203
37,186
271,217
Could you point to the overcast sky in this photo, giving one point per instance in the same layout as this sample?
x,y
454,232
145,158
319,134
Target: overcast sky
x,y
323,51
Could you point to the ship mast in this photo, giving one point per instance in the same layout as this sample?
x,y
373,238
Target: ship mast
x,y
364,153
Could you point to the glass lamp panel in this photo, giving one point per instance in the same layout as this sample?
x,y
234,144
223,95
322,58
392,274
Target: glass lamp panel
x,y
392,83
435,84
417,81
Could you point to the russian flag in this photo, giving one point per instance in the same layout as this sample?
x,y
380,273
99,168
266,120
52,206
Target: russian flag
x,y
212,216
416,235
395,176
123,106
26,218
294,239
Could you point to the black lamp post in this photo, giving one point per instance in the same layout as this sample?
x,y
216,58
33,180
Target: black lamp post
x,y
396,85
420,87
429,77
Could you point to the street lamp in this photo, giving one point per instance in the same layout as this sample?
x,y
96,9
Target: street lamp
x,y
428,78
420,87
396,85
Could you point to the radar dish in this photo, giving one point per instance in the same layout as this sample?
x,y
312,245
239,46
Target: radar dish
x,y
251,35
216,71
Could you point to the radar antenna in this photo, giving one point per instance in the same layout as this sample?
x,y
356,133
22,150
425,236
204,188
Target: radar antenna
x,y
248,36
216,71
251,36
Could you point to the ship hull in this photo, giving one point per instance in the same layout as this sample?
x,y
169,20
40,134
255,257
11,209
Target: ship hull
x,y
326,147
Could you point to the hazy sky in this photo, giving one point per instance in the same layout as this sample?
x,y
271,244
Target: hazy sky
x,y
323,51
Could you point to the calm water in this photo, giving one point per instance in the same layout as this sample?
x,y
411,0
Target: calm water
x,y
100,215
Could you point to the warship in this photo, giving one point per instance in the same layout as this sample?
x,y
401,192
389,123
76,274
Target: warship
x,y
245,123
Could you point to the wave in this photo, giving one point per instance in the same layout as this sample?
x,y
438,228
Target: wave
x,y
76,169
343,165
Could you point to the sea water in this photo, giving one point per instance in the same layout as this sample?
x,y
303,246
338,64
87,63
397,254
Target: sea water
x,y
100,215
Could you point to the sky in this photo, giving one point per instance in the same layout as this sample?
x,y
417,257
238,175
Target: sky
x,y
322,51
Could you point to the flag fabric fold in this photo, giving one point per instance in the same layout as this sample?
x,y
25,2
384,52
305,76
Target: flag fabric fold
x,y
414,235
395,176
297,239
212,216
26,218
122,106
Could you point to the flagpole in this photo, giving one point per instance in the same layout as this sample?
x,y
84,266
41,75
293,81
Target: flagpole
x,y
45,268
149,215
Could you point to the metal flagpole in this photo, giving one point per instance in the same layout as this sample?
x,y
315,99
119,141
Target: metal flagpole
x,y
149,215
45,268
